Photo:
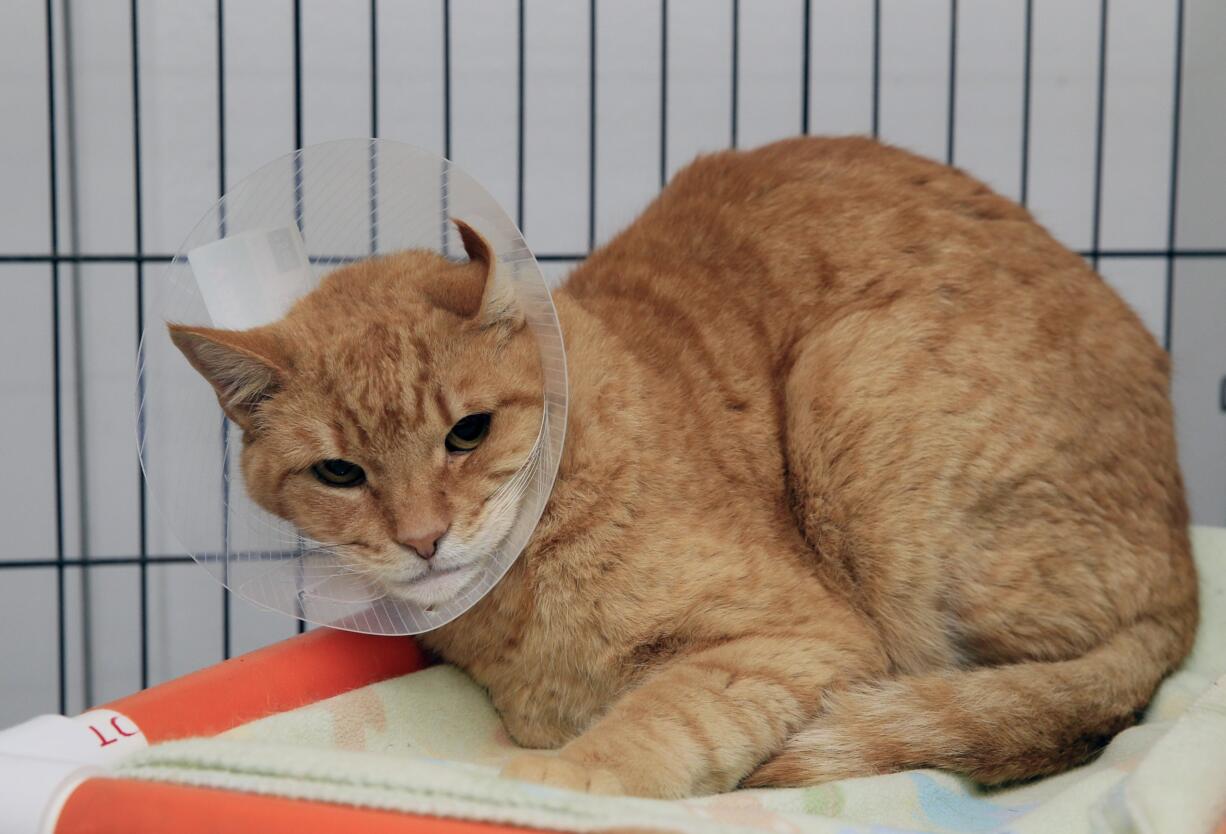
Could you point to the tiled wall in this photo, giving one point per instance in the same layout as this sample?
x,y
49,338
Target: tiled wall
x,y
1017,92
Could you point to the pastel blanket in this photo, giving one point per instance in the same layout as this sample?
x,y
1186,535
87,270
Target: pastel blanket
x,y
431,743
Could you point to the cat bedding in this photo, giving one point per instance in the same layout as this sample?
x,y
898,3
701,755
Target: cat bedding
x,y
357,734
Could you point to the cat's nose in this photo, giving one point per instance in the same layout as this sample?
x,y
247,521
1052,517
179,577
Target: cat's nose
x,y
422,539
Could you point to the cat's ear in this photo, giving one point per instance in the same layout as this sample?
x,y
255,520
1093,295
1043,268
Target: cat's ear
x,y
498,305
245,367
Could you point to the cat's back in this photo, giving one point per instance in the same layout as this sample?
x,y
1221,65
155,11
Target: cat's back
x,y
807,231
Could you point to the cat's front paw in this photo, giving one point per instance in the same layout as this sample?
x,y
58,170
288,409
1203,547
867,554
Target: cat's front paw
x,y
562,773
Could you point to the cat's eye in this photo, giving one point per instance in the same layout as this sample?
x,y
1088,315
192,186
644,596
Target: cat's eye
x,y
468,433
339,473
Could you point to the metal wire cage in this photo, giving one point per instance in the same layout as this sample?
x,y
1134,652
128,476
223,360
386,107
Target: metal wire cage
x,y
1098,114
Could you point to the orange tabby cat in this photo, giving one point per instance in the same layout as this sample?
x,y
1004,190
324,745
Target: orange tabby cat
x,y
863,472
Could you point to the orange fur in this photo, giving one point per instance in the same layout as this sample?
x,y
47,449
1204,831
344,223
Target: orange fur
x,y
864,471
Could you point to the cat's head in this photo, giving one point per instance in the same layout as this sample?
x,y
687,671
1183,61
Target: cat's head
x,y
383,412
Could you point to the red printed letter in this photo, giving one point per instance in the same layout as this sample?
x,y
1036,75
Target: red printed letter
x,y
101,738
125,733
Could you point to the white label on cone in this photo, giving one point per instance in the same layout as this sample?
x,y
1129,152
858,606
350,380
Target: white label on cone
x,y
253,278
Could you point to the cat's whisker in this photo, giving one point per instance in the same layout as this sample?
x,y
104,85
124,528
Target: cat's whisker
x,y
339,571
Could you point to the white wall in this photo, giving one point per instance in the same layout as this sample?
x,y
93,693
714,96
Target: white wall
x,y
180,176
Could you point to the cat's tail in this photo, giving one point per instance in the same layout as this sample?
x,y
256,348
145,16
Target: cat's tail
x,y
994,724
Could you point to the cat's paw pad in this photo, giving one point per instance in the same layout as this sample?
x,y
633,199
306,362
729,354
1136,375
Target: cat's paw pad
x,y
562,773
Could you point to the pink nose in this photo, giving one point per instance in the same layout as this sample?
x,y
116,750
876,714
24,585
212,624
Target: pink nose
x,y
421,539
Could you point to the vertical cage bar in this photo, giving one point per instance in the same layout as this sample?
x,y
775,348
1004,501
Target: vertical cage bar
x,y
442,221
373,171
446,81
663,93
1168,331
520,116
951,107
78,357
297,12
226,637
1100,119
221,112
736,71
139,236
53,187
297,33
876,68
806,58
591,127
298,207
227,642
374,68
1027,59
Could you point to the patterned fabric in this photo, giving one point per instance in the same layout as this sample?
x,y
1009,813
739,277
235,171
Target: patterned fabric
x,y
431,743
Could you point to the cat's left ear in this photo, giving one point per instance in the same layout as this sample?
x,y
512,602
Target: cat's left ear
x,y
498,304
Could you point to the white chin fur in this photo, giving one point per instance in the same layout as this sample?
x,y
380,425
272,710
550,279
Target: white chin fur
x,y
435,586
457,564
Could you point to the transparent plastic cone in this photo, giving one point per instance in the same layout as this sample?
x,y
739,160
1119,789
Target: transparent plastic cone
x,y
284,228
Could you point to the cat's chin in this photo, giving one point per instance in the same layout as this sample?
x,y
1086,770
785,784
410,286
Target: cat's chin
x,y
435,586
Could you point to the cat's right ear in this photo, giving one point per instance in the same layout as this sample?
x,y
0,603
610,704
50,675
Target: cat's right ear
x,y
245,367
